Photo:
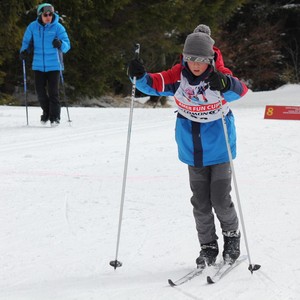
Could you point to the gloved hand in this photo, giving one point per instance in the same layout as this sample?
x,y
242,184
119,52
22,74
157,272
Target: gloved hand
x,y
56,43
23,55
136,68
218,81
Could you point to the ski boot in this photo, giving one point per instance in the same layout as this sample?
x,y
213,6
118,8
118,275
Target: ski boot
x,y
55,122
44,119
231,250
208,254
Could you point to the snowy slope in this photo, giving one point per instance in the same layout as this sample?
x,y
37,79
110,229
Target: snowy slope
x,y
61,192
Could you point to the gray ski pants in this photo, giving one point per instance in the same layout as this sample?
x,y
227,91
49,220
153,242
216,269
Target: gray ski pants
x,y
211,188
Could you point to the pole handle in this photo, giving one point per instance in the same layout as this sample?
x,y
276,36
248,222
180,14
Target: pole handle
x,y
137,48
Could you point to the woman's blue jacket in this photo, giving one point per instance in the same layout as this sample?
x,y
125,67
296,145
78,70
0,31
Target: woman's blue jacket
x,y
39,38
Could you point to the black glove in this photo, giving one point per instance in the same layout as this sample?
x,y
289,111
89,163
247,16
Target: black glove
x,y
218,82
23,55
56,43
136,68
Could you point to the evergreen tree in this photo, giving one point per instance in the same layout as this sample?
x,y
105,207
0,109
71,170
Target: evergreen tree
x,y
261,43
259,40
11,32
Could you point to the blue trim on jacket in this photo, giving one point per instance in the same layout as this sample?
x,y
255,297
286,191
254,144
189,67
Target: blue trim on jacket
x,y
45,56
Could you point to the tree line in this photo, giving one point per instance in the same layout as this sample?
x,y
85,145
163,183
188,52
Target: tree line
x,y
259,40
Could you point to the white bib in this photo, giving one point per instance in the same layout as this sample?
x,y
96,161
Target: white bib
x,y
198,102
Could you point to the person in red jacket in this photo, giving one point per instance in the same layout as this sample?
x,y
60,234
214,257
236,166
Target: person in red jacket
x,y
219,62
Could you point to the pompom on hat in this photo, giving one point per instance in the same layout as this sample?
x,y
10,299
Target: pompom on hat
x,y
45,7
203,28
198,47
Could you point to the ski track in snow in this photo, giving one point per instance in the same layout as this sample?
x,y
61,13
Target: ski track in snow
x,y
60,198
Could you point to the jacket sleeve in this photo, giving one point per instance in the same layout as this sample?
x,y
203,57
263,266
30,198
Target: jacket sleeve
x,y
220,62
63,36
27,39
160,84
237,89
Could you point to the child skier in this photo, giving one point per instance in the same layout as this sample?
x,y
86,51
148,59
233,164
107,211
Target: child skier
x,y
198,88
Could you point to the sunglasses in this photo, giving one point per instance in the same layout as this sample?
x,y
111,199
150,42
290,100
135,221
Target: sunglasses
x,y
48,15
197,59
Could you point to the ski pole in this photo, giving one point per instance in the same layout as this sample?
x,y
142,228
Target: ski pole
x,y
25,90
63,83
115,263
252,267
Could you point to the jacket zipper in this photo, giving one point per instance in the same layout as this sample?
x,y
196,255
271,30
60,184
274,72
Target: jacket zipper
x,y
44,49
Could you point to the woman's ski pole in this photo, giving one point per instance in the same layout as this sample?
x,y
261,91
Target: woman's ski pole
x,y
63,83
25,89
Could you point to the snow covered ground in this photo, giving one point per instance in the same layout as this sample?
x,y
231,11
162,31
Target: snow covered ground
x,y
60,199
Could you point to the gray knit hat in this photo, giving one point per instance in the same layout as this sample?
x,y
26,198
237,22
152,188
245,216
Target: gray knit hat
x,y
198,47
203,28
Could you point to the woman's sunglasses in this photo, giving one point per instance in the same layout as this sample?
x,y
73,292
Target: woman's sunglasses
x,y
48,15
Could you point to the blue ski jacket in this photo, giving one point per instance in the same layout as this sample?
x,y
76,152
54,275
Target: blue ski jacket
x,y
199,130
40,38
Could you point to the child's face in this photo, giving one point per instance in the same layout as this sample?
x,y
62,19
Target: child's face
x,y
197,68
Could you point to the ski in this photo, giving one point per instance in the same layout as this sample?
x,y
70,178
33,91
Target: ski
x,y
224,269
189,276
